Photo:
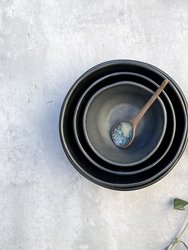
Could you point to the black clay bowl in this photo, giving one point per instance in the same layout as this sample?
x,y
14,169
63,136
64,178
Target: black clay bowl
x,y
82,142
121,102
99,176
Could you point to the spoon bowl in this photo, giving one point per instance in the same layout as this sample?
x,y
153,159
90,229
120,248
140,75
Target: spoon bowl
x,y
123,134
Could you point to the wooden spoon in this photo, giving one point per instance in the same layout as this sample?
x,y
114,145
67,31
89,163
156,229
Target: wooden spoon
x,y
123,134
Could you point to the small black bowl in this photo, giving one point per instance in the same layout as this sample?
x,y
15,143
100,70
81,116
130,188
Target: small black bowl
x,y
121,102
101,177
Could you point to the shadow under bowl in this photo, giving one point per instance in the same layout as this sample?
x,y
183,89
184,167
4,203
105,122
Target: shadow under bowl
x,y
121,102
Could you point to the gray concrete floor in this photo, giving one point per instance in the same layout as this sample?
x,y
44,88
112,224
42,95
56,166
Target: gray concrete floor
x,y
44,47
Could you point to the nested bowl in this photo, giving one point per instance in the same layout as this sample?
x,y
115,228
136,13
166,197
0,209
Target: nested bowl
x,y
121,102
102,177
83,144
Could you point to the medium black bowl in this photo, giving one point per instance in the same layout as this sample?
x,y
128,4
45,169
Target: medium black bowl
x,y
82,142
103,178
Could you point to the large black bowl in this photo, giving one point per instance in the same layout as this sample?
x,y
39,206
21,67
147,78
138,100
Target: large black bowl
x,y
82,142
101,177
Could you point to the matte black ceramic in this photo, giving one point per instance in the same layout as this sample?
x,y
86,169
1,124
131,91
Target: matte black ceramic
x,y
99,176
121,102
79,134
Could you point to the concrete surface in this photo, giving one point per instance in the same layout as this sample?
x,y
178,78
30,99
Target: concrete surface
x,y
44,47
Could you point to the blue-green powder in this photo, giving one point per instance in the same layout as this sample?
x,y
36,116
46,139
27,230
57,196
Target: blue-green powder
x,y
122,134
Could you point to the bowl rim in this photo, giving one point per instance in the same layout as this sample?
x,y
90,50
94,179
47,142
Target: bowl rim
x,y
110,86
153,179
143,168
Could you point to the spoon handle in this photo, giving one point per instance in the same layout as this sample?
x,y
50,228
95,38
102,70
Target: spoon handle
x,y
142,112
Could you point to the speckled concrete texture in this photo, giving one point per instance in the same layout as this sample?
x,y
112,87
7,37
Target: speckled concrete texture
x,y
45,204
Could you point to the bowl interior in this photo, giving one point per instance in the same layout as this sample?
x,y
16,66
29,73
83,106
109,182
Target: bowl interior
x,y
121,102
